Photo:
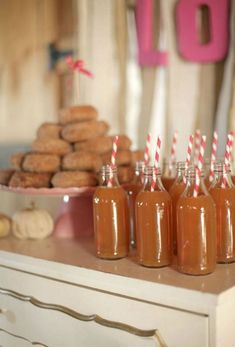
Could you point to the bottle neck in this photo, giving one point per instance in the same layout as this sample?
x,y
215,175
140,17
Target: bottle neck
x,y
139,173
191,182
222,176
152,179
108,176
169,168
180,170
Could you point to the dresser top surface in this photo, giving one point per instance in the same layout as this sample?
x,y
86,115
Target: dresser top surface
x,y
81,253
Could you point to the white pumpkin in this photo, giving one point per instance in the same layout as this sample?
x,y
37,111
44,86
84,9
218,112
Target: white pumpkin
x,y
32,223
5,225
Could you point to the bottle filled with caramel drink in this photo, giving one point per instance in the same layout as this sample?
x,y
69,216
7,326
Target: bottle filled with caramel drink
x,y
168,174
196,228
222,191
153,221
132,189
110,214
176,190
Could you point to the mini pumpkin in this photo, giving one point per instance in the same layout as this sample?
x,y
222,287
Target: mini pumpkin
x,y
32,223
5,225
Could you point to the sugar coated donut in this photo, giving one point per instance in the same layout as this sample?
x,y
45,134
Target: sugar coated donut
x,y
75,114
5,176
36,162
16,160
67,179
123,157
52,146
22,179
103,144
82,160
125,174
49,131
77,132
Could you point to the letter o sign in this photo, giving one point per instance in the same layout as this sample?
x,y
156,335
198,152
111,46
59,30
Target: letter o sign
x,y
187,35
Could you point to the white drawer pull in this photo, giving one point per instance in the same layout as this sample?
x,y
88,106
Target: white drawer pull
x,y
10,316
3,310
154,333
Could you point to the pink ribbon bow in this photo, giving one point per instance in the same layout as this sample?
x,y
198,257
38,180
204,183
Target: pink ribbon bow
x,y
77,65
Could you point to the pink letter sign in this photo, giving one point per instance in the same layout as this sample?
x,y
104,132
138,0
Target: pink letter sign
x,y
144,20
188,40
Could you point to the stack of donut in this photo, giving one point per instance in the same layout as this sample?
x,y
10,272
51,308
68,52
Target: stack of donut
x,y
70,153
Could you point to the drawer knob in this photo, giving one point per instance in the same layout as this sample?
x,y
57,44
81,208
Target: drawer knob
x,y
10,316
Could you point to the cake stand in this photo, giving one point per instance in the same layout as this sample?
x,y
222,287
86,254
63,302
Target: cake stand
x,y
74,217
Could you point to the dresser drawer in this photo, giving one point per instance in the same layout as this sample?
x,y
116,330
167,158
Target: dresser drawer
x,y
55,328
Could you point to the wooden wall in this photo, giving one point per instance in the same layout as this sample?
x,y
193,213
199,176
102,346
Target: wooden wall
x,y
28,90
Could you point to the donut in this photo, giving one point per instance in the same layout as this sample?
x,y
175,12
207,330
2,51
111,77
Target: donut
x,y
125,174
137,155
5,176
52,146
77,114
103,144
82,160
77,132
49,131
67,179
16,160
123,157
22,179
35,162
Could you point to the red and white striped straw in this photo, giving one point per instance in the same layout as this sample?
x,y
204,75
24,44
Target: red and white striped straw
x,y
113,160
228,149
213,155
173,147
189,155
173,151
199,166
147,149
227,155
232,133
189,151
156,163
197,140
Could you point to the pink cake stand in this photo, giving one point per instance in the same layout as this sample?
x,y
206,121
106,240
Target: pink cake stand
x,y
74,217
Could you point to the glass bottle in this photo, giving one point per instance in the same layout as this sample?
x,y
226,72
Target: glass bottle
x,y
153,221
196,228
222,191
132,189
175,191
169,174
110,215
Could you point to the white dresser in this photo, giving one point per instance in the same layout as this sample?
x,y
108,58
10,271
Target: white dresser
x,y
56,293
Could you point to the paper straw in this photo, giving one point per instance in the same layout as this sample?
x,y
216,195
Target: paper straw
x,y
228,148
189,152
113,160
227,155
232,133
213,155
147,149
197,139
173,147
199,166
156,163
173,152
188,156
